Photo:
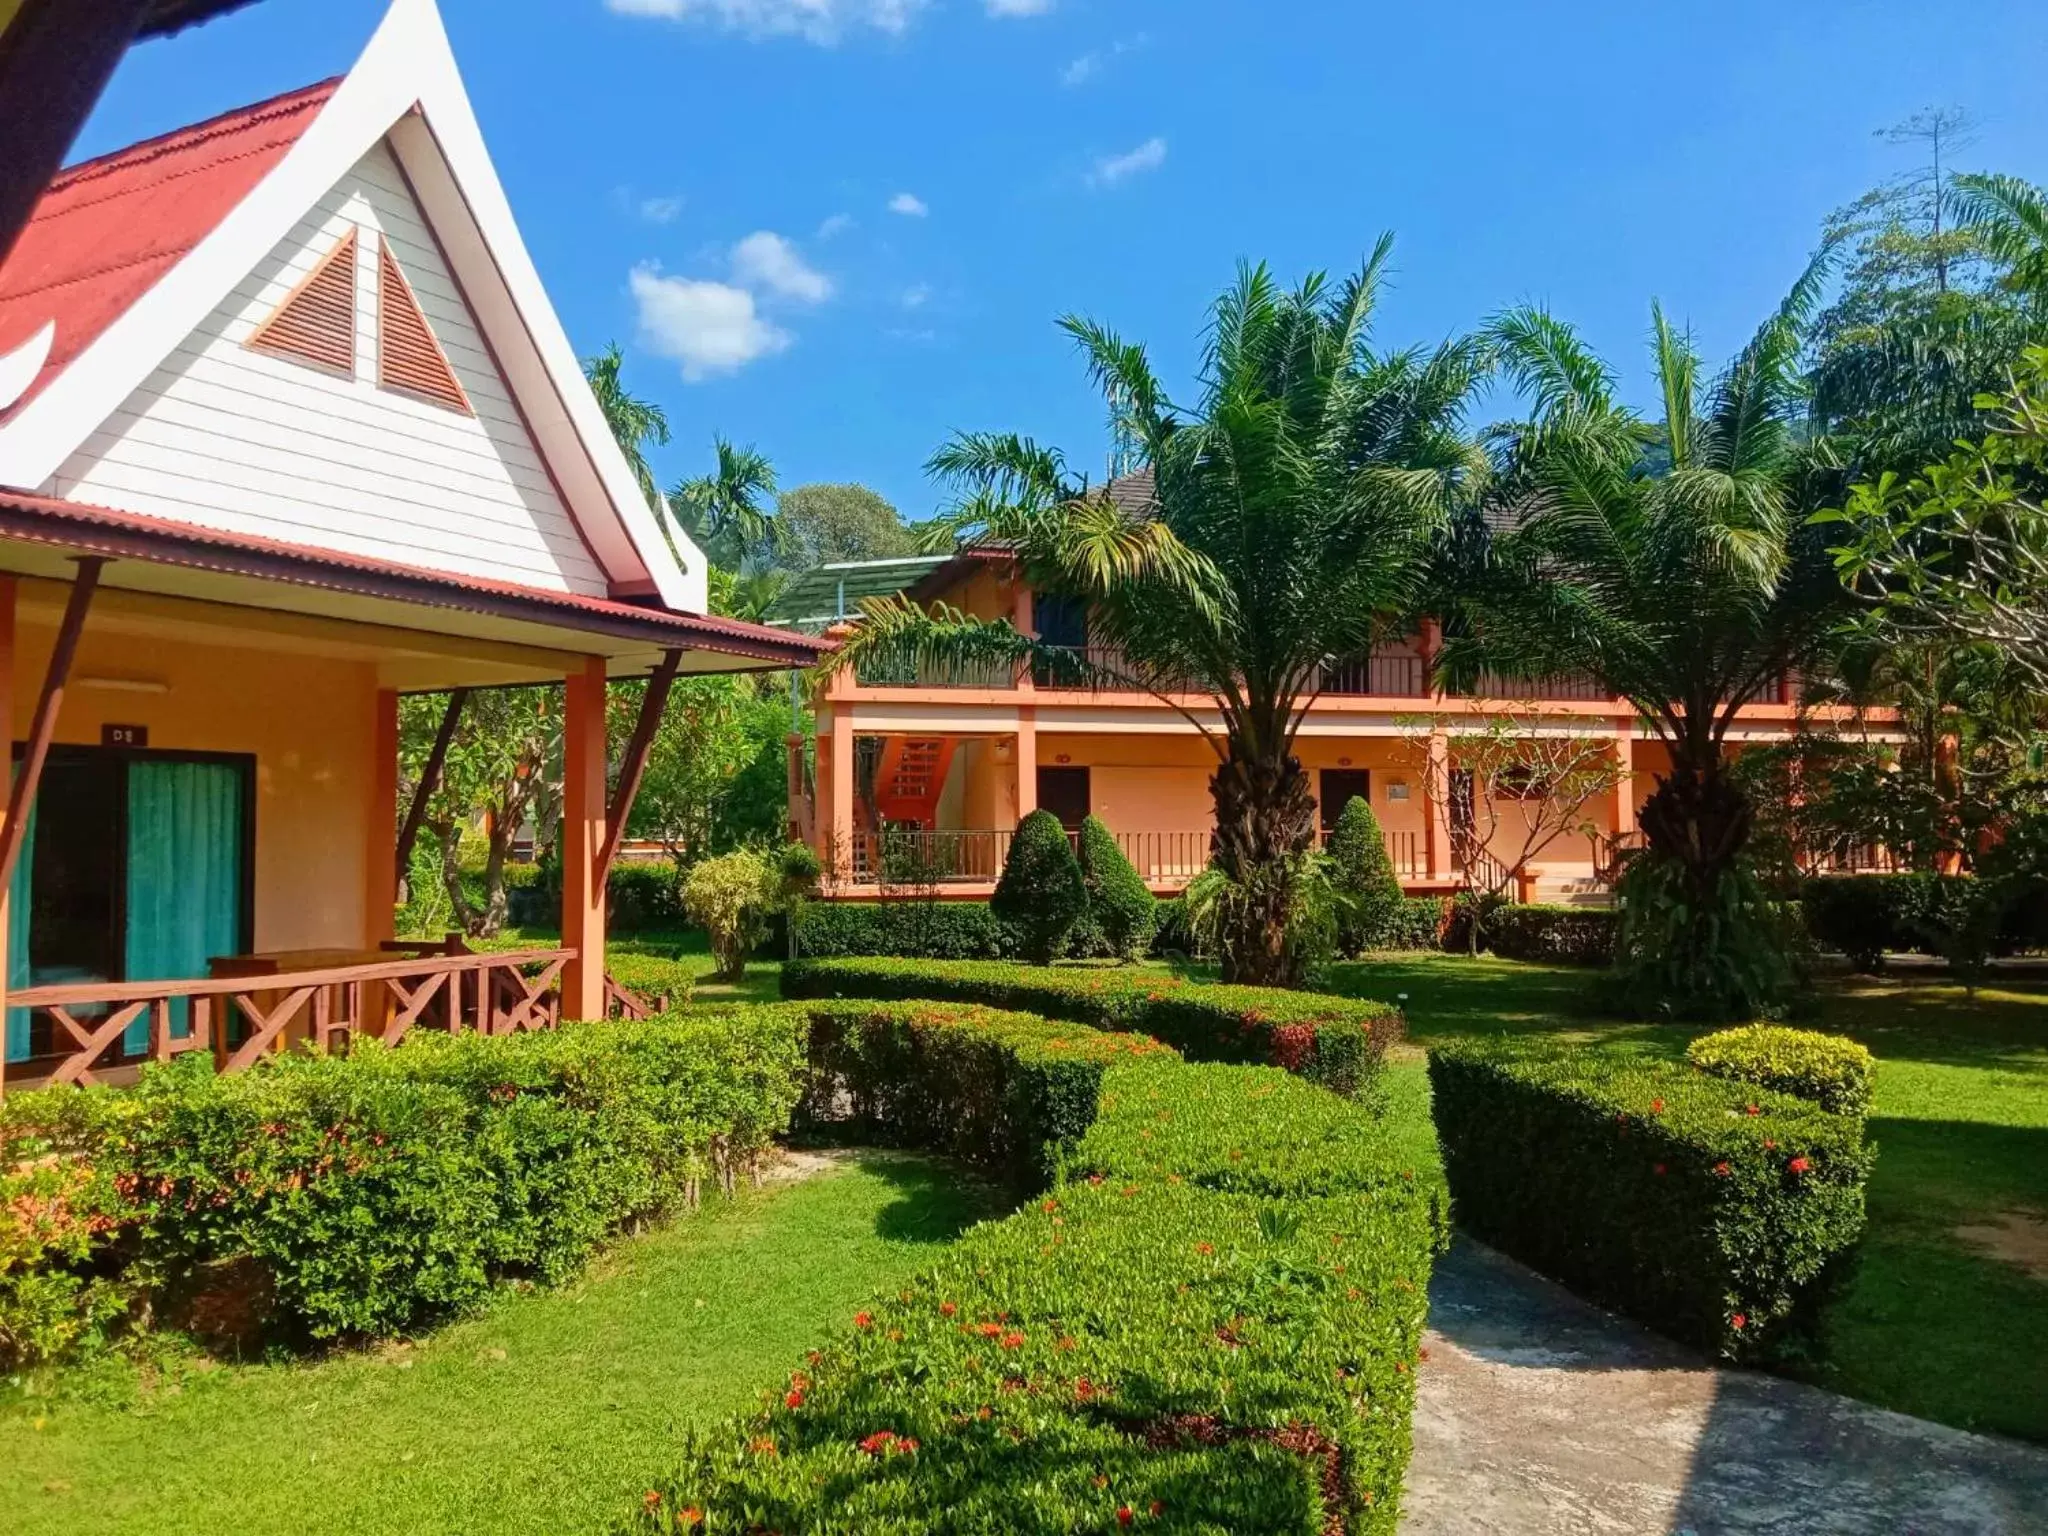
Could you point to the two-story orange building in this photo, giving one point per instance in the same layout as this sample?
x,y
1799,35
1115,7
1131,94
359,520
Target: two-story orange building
x,y
922,774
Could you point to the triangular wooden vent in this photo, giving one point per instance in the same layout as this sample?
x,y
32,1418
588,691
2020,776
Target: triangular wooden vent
x,y
317,321
408,356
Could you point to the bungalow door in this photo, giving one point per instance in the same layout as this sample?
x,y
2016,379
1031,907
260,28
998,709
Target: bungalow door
x,y
137,867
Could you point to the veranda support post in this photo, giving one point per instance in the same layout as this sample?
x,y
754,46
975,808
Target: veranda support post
x,y
583,826
7,591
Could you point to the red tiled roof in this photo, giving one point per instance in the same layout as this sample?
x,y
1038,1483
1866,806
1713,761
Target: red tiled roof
x,y
107,229
134,536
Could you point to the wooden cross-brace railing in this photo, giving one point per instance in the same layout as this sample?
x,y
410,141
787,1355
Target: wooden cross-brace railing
x,y
490,994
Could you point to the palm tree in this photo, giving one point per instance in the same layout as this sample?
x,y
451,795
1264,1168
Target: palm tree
x,y
2010,217
726,511
636,423
1284,519
1672,559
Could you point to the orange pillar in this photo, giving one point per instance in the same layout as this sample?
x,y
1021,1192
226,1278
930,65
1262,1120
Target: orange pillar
x,y
1436,791
1027,760
380,855
835,784
7,587
1625,791
583,814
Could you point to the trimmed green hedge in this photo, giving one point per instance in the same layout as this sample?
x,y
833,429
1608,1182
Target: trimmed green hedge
x,y
1559,935
1829,1070
934,930
644,895
372,1194
1011,1092
1334,1041
1705,1208
1417,923
1145,1347
1866,917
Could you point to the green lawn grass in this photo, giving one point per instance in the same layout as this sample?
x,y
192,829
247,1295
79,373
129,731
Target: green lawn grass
x,y
1927,1323
550,1413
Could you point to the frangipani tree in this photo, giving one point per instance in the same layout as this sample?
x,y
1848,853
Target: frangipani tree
x,y
1284,517
1670,558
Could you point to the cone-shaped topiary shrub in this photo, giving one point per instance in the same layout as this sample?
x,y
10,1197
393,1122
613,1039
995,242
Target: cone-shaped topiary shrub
x,y
1121,907
1041,895
1364,877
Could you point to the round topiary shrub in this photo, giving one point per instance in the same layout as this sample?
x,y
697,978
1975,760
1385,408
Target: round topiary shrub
x,y
1041,895
1364,877
1121,907
1830,1070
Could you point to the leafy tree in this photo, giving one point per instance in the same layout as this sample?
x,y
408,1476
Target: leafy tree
x,y
1926,318
1121,907
1960,551
1364,877
826,524
1041,895
1685,586
1287,519
503,772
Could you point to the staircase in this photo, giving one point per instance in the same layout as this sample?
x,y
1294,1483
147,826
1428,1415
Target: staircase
x,y
909,778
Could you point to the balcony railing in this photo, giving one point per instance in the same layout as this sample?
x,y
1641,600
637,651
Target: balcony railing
x,y
908,857
1101,669
1382,675
77,1031
1568,688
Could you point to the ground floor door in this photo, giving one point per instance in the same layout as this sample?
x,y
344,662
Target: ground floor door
x,y
1338,788
1064,792
137,867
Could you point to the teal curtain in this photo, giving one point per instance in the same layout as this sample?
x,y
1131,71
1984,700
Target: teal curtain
x,y
184,875
17,940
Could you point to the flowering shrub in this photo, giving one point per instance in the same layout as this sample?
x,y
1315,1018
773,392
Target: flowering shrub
x,y
1155,1344
1345,1038
58,1212
1708,1209
375,1193
1008,1091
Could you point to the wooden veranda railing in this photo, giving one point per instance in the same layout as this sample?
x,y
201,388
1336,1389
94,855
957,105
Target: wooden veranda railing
x,y
78,1031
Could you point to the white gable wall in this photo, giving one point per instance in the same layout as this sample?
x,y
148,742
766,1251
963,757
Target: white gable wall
x,y
250,443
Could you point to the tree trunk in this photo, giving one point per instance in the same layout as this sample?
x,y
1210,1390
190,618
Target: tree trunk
x,y
1698,819
1265,824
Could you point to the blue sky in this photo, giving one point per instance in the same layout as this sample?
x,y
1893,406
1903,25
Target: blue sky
x,y
840,229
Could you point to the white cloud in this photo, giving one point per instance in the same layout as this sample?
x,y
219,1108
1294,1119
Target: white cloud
x,y
661,210
1008,8
1112,169
916,296
835,226
765,260
1092,63
909,205
710,328
818,21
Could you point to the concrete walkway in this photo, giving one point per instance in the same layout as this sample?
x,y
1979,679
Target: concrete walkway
x,y
1541,1414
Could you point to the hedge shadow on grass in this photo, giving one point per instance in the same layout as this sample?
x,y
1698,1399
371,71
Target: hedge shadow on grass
x,y
933,1203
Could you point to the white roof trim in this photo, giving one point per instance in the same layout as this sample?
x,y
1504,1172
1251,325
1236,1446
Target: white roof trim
x,y
406,87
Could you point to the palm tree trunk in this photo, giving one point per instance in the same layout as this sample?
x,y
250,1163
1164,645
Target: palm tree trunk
x,y
1265,824
1698,819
